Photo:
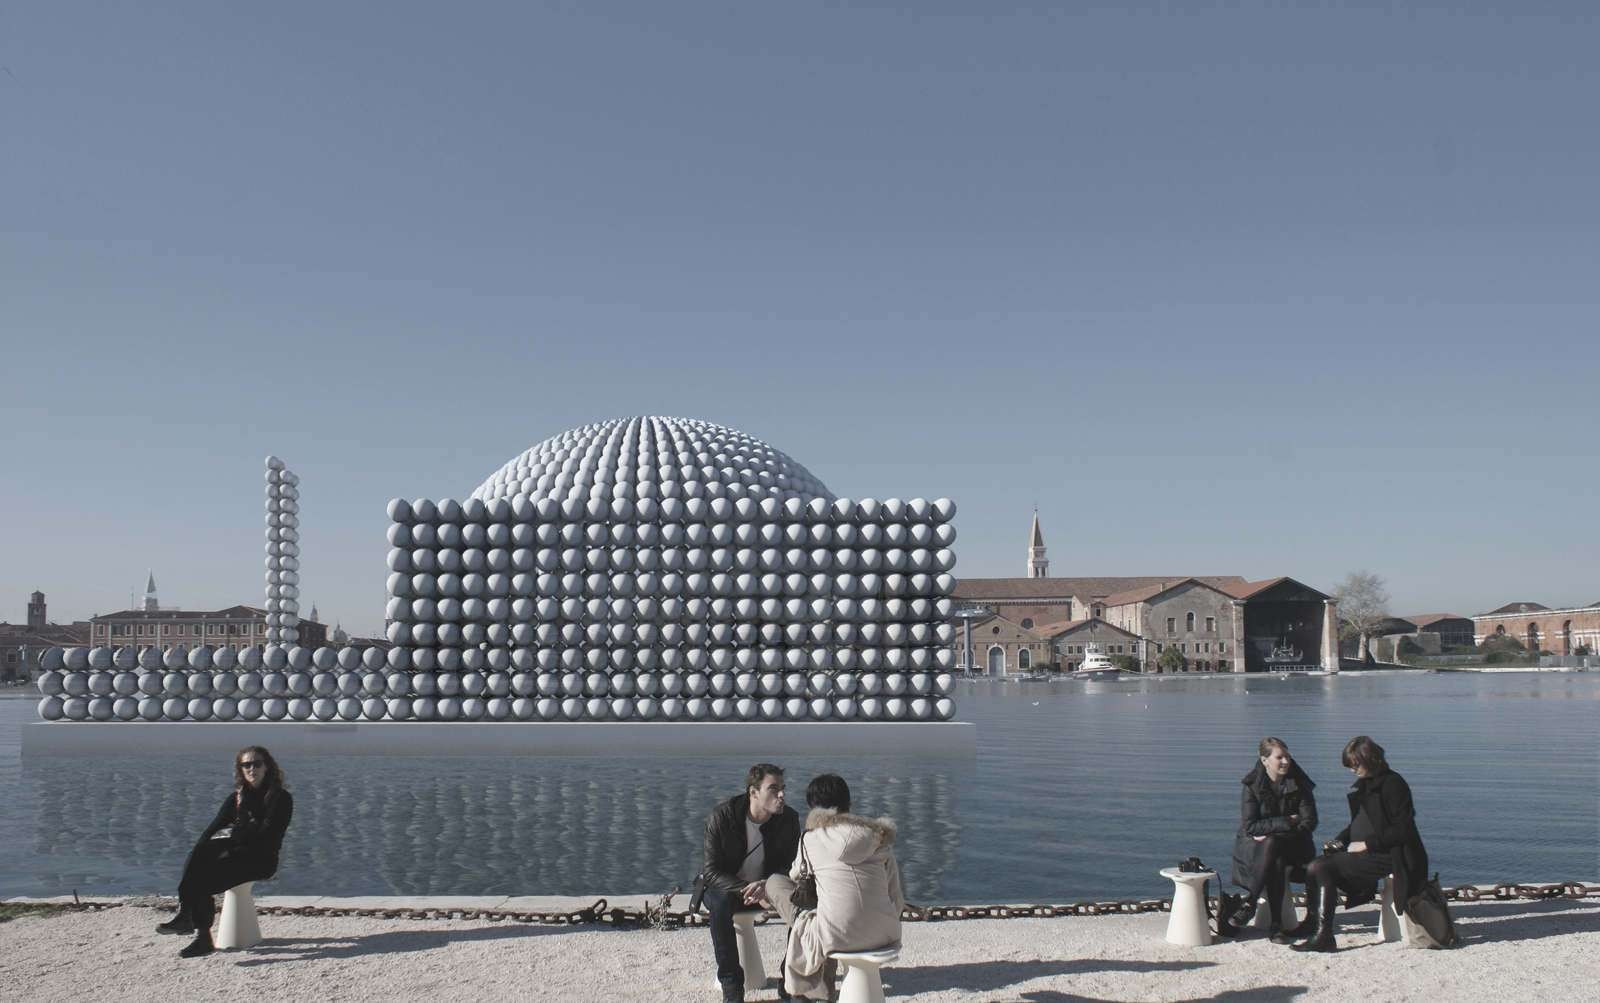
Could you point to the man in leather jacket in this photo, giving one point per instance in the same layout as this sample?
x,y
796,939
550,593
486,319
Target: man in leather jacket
x,y
748,837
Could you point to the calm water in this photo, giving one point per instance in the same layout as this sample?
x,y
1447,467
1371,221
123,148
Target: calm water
x,y
1079,790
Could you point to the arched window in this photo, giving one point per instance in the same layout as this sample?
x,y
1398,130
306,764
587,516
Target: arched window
x,y
1024,659
1188,622
997,660
1027,623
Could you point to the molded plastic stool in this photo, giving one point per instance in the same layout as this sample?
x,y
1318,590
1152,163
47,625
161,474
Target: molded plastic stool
x,y
1264,915
1390,921
239,928
863,982
1188,924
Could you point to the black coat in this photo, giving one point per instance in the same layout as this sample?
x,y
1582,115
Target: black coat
x,y
256,826
1387,798
725,842
1264,810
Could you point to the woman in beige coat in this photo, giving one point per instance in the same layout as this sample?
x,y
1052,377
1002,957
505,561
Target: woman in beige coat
x,y
858,887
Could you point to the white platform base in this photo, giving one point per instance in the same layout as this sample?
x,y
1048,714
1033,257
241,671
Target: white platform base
x,y
531,738
239,928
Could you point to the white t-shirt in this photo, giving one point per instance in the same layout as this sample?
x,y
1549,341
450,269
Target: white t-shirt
x,y
750,870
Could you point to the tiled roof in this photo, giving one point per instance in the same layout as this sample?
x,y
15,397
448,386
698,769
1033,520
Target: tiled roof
x,y
1151,591
232,612
1517,607
1424,619
1036,589
1061,630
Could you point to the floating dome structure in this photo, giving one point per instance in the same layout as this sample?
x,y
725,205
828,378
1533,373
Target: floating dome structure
x,y
651,458
639,569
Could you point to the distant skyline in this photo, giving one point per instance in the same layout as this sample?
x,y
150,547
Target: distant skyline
x,y
1255,289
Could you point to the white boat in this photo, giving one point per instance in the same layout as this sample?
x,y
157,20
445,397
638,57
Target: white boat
x,y
1095,665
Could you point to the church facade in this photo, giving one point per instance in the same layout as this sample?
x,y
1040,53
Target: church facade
x,y
1217,623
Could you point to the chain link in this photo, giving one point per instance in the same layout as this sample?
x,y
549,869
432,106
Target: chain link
x,y
660,915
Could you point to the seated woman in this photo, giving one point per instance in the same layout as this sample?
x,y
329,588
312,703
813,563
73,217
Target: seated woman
x,y
1277,813
241,844
1380,840
858,888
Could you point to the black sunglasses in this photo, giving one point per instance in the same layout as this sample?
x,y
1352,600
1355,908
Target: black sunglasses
x,y
252,764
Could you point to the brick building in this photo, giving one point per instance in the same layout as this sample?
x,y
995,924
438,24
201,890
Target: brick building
x,y
1220,623
1540,628
236,627
21,643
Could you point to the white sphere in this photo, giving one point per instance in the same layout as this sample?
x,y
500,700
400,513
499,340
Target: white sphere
x,y
51,708
249,709
795,709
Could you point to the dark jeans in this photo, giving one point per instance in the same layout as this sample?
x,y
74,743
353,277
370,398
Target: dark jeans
x,y
214,866
724,942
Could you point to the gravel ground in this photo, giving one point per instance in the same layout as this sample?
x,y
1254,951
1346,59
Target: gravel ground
x,y
1511,950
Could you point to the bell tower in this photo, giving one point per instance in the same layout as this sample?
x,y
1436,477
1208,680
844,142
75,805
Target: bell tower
x,y
36,614
1038,564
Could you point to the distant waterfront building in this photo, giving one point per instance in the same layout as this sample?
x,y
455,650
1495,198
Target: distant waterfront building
x,y
1219,623
20,643
235,627
1432,632
1540,628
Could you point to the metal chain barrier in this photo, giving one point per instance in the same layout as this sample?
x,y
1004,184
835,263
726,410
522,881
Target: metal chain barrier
x,y
660,915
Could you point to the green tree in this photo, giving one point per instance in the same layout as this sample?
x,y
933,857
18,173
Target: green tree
x,y
1171,660
1127,663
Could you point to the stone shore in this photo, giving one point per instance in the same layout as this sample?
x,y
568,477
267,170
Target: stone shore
x,y
1511,950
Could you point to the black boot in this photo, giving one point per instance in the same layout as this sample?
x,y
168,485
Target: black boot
x,y
1323,940
1308,926
199,947
181,923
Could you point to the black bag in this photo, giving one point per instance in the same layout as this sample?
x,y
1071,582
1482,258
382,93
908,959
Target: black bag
x,y
1431,926
804,895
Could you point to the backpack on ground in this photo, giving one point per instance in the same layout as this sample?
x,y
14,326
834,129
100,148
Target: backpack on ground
x,y
1431,926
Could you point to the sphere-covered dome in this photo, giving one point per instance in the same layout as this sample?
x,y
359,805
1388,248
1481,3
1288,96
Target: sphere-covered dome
x,y
652,457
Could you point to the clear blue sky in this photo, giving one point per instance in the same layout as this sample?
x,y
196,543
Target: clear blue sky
x,y
1256,288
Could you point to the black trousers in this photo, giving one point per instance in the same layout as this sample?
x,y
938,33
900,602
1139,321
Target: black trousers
x,y
1351,873
1278,854
214,866
724,942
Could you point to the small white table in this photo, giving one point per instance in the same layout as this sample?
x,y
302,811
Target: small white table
x,y
1187,924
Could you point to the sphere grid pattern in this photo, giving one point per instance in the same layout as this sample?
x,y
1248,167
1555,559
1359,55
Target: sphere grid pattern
x,y
283,554
712,579
651,457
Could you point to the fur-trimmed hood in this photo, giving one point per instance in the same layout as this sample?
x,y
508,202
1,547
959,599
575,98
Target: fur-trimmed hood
x,y
826,818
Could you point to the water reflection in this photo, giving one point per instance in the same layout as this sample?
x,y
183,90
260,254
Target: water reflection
x,y
457,826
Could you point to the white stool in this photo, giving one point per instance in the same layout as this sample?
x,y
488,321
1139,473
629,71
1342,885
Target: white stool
x,y
862,982
1391,923
1264,915
1187,924
239,928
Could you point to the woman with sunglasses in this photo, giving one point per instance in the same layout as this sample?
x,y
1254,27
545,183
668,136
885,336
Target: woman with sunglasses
x,y
241,844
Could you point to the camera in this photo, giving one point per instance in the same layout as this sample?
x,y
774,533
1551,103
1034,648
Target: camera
x,y
1192,865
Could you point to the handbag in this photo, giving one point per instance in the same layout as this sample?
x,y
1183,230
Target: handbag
x,y
804,895
1431,926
